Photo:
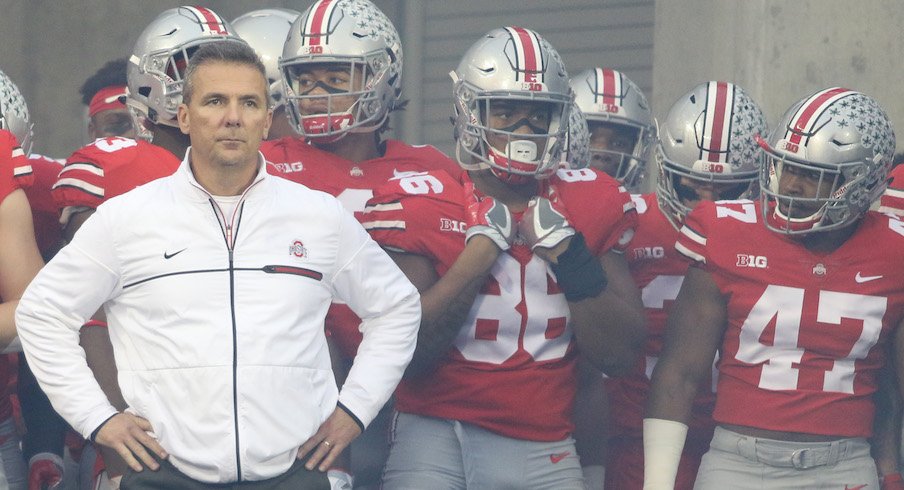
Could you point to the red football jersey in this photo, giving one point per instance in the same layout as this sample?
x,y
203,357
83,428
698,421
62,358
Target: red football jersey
x,y
511,368
353,184
658,270
44,211
109,167
15,173
806,331
15,169
892,201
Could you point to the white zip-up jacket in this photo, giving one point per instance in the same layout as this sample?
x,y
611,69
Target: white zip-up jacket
x,y
217,322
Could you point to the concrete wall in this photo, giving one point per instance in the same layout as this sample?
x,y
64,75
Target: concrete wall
x,y
781,50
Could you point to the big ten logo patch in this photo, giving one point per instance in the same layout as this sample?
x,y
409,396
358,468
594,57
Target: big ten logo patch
x,y
642,253
755,261
446,224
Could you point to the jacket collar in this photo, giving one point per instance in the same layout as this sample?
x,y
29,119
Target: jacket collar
x,y
186,181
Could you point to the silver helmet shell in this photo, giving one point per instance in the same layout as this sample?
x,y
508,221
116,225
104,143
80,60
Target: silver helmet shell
x,y
14,113
157,65
266,31
354,33
839,136
578,154
605,95
510,64
709,136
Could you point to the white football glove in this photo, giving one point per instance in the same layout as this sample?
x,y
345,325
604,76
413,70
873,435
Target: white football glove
x,y
544,223
490,218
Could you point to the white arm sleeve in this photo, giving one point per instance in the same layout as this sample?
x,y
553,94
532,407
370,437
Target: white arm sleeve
x,y
67,292
390,310
663,442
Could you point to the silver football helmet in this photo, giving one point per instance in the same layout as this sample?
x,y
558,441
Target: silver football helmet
x,y
357,36
608,96
840,139
708,138
14,113
266,31
157,66
578,154
510,64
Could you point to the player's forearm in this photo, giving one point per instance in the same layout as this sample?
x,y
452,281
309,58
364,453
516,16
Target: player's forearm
x,y
445,305
672,392
609,332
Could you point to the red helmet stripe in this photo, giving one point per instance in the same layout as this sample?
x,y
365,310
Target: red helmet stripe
x,y
527,48
210,21
719,101
800,123
611,85
318,21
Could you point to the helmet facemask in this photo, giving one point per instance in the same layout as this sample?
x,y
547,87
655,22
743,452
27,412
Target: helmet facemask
x,y
609,98
357,37
491,137
827,161
357,102
707,142
839,197
628,167
679,184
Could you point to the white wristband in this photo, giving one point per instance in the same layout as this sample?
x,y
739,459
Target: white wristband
x,y
663,441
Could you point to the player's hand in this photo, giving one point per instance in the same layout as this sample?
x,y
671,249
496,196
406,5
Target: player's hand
x,y
333,436
490,218
45,472
544,224
129,436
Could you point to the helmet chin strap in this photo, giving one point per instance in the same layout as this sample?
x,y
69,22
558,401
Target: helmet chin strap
x,y
810,222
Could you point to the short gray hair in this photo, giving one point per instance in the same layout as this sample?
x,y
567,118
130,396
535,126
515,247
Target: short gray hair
x,y
233,52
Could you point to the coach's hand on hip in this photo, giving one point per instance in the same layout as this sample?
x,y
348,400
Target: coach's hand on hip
x,y
128,435
333,436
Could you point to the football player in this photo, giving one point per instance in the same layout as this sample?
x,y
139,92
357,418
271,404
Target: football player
x,y
697,160
104,95
266,31
20,260
518,265
342,67
110,166
622,133
801,303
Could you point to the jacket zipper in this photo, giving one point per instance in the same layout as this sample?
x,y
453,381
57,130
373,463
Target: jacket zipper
x,y
229,234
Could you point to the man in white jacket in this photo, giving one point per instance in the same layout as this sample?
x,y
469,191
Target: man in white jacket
x,y
216,281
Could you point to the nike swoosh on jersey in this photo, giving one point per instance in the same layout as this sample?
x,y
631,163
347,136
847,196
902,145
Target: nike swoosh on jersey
x,y
861,278
171,255
555,458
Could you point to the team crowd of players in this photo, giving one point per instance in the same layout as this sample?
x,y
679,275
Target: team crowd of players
x,y
736,328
